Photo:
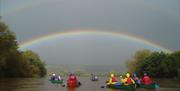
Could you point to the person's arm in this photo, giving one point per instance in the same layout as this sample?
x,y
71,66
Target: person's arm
x,y
133,81
109,81
124,80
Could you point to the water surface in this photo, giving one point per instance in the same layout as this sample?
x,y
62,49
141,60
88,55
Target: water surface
x,y
42,84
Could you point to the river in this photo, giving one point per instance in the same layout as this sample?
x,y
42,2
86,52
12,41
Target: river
x,y
42,84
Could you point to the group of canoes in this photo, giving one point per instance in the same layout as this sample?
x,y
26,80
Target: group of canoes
x,y
126,82
72,80
129,82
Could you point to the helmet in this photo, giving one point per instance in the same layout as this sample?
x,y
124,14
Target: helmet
x,y
53,74
112,75
127,75
72,73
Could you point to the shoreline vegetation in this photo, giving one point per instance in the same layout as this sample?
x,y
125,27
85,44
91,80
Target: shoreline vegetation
x,y
85,74
156,64
16,63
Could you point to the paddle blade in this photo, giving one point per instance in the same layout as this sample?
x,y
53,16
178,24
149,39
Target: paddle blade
x,y
63,85
157,86
102,86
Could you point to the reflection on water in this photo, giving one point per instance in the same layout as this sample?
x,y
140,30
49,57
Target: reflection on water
x,y
42,84
71,89
112,90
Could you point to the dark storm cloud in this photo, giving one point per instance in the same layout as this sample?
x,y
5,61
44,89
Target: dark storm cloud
x,y
157,21
153,20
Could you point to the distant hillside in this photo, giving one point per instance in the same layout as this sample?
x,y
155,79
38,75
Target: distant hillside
x,y
86,68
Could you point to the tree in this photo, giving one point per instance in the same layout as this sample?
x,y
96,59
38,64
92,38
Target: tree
x,y
158,64
15,63
8,46
35,64
133,64
153,64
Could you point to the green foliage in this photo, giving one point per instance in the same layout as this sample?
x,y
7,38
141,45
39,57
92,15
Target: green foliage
x,y
179,72
33,66
158,64
14,63
133,64
8,47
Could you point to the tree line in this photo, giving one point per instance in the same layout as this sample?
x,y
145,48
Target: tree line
x,y
156,64
16,63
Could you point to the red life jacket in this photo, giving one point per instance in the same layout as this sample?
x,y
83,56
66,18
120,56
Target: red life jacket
x,y
146,80
114,79
72,81
129,81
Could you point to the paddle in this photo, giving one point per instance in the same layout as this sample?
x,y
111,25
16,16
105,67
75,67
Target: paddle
x,y
63,85
157,86
79,83
104,86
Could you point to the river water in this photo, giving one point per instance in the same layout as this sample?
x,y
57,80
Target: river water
x,y
42,84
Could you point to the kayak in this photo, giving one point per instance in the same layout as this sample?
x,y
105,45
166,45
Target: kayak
x,y
150,86
56,81
123,87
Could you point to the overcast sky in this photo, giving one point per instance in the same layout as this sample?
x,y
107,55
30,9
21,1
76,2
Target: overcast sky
x,y
154,20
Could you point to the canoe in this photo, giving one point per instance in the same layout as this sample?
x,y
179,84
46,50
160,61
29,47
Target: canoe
x,y
151,86
94,79
123,87
56,81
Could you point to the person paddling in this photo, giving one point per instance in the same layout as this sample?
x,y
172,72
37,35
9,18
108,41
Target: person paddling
x,y
53,77
73,81
136,79
94,77
128,80
60,78
146,80
112,80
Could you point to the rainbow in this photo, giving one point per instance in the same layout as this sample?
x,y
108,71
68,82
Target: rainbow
x,y
93,32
